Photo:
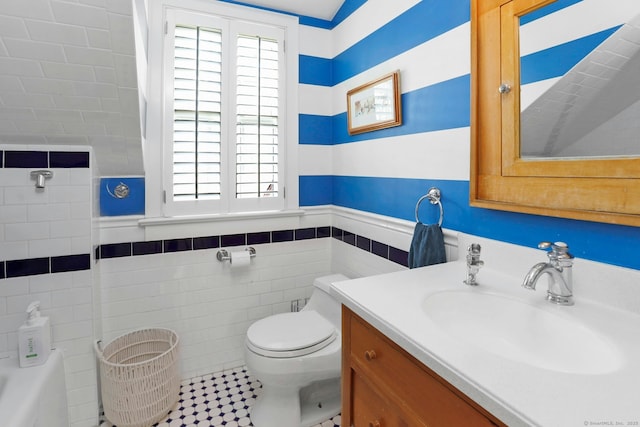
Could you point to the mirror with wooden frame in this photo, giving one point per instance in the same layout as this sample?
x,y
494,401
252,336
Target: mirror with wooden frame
x,y
602,187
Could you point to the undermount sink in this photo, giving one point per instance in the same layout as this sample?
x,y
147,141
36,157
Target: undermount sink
x,y
516,330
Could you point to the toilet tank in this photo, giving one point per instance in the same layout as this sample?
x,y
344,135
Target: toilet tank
x,y
322,301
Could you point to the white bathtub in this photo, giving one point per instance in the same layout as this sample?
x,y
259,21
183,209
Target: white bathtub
x,y
35,396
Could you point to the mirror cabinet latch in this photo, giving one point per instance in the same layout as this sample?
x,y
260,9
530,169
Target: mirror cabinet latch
x,y
504,88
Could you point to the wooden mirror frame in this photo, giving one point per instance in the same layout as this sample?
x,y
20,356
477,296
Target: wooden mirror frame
x,y
602,190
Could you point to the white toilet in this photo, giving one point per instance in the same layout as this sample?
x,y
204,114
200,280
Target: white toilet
x,y
296,357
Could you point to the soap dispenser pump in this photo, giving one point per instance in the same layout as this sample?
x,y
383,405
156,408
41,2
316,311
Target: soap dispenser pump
x,y
34,338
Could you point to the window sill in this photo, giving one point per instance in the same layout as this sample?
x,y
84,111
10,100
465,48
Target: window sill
x,y
193,219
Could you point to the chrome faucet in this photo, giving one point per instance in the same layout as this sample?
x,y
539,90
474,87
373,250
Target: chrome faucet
x,y
559,270
473,264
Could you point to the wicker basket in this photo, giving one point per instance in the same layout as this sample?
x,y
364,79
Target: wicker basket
x,y
140,377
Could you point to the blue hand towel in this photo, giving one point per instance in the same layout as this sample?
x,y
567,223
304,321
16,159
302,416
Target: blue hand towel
x,y
427,246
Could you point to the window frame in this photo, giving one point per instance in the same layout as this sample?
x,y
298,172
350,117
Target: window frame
x,y
160,90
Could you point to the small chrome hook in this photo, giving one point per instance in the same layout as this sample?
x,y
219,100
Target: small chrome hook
x,y
121,191
433,195
40,176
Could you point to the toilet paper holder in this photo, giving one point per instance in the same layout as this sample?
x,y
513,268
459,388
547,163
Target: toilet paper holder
x,y
224,255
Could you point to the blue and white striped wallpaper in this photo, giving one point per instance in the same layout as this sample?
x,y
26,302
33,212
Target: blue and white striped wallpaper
x,y
385,172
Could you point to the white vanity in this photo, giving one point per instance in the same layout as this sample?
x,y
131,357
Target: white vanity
x,y
508,353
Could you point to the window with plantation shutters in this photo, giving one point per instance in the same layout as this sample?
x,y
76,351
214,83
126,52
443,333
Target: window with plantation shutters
x,y
224,141
257,117
197,113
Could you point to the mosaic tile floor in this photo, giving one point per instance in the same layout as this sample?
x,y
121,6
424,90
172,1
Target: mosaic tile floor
x,y
220,399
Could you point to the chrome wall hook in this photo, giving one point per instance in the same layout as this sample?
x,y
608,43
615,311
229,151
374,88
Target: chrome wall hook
x,y
120,192
41,176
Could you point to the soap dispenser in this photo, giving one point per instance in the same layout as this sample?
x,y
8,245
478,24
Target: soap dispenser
x,y
34,338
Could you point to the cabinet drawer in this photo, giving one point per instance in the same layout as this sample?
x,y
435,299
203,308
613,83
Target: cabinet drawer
x,y
416,388
368,407
372,410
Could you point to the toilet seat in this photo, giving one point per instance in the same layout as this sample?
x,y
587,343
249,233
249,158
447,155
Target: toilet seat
x,y
290,334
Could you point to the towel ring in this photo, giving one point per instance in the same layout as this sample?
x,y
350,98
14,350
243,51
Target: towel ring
x,y
433,195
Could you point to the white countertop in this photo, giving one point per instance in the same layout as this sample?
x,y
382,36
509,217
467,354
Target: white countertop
x,y
515,392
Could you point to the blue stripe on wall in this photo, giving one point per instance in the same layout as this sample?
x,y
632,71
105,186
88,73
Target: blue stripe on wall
x,y
547,10
315,22
133,204
431,17
347,8
315,129
396,197
557,60
304,20
444,105
316,190
314,71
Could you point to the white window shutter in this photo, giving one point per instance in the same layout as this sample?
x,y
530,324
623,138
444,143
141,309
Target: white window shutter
x,y
224,115
197,113
257,117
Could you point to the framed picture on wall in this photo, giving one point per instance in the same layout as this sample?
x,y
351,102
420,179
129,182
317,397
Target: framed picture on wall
x,y
374,105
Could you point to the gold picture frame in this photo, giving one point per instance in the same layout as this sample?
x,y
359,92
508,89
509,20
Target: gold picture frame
x,y
374,105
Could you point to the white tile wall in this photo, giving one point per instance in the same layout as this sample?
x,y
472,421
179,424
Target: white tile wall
x,y
211,305
34,220
66,300
355,262
206,302
59,59
45,223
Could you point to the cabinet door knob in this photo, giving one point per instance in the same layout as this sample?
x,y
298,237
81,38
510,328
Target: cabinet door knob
x,y
370,355
375,423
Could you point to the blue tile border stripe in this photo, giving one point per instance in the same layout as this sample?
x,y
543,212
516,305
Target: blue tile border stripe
x,y
26,159
58,264
369,245
44,265
117,250
64,159
44,159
